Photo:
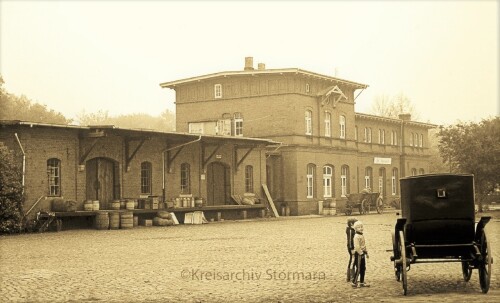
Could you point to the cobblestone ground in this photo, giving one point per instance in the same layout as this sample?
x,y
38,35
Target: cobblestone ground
x,y
293,259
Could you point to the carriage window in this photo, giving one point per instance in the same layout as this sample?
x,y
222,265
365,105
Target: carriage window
x,y
310,180
249,179
441,193
327,181
146,177
54,176
185,178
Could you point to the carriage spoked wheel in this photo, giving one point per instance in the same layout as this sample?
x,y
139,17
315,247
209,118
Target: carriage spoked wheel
x,y
402,250
466,270
380,205
395,249
364,207
485,264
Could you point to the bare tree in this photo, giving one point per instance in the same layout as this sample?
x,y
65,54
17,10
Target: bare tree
x,y
392,107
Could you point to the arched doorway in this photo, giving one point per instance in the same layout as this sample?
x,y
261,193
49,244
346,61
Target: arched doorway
x,y
102,181
218,184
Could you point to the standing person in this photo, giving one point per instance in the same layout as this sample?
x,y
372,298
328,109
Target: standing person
x,y
350,232
360,255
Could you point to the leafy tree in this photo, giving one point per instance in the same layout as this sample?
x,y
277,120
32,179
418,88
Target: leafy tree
x,y
474,148
11,193
392,107
21,108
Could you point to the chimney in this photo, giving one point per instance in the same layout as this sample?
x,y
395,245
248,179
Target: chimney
x,y
248,63
405,117
261,66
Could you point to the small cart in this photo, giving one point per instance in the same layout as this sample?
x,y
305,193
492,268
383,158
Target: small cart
x,y
438,225
364,202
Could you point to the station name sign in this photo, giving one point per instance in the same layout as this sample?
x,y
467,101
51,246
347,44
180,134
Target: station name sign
x,y
377,160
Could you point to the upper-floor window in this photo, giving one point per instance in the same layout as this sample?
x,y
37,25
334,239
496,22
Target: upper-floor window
x,y
412,137
394,138
368,177
342,126
185,178
328,124
238,124
146,177
308,88
344,180
308,117
311,168
327,181
413,171
381,136
356,133
394,182
421,142
421,171
368,135
249,179
218,90
54,176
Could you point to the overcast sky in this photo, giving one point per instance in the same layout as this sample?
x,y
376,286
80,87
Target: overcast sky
x,y
112,55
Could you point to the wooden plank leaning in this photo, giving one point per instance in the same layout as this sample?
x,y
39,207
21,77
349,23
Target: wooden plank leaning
x,y
270,200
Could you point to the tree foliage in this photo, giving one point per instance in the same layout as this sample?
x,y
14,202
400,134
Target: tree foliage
x,y
164,122
474,148
392,107
11,193
21,108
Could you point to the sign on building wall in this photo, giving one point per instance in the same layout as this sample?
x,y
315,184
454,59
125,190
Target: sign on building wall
x,y
377,160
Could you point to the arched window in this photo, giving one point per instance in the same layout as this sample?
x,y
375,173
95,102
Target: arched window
x,y
344,180
381,136
368,135
308,117
413,171
327,181
394,181
146,178
249,179
54,176
311,168
421,171
328,124
342,126
412,138
368,177
356,133
381,181
421,143
185,178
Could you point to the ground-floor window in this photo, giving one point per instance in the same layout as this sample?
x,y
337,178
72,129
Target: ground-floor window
x,y
185,178
249,179
344,180
394,182
146,178
54,176
327,181
310,180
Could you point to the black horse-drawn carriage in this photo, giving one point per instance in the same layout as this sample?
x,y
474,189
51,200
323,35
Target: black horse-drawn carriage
x,y
438,225
364,202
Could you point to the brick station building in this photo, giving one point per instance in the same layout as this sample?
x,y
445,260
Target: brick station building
x,y
327,150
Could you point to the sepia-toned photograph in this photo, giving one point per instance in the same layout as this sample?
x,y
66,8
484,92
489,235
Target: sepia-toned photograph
x,y
249,151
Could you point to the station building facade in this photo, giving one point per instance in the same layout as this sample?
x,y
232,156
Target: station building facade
x,y
326,149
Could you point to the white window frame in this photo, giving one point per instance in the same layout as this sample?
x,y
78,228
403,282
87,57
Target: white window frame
x,y
421,142
327,181
343,180
308,88
238,125
308,120
381,185
310,180
394,185
218,91
342,121
381,136
368,174
328,124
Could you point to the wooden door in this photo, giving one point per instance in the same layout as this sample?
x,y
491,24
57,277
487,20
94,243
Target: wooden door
x,y
101,181
218,183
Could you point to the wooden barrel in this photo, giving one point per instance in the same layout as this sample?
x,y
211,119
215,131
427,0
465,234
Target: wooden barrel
x,y
114,219
130,204
95,205
102,220
126,220
115,204
87,205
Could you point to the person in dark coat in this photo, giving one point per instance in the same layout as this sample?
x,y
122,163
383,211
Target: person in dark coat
x,y
350,232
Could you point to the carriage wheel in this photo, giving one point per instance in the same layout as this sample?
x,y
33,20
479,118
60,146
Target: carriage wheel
x,y
363,207
466,271
397,269
380,205
485,265
402,250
